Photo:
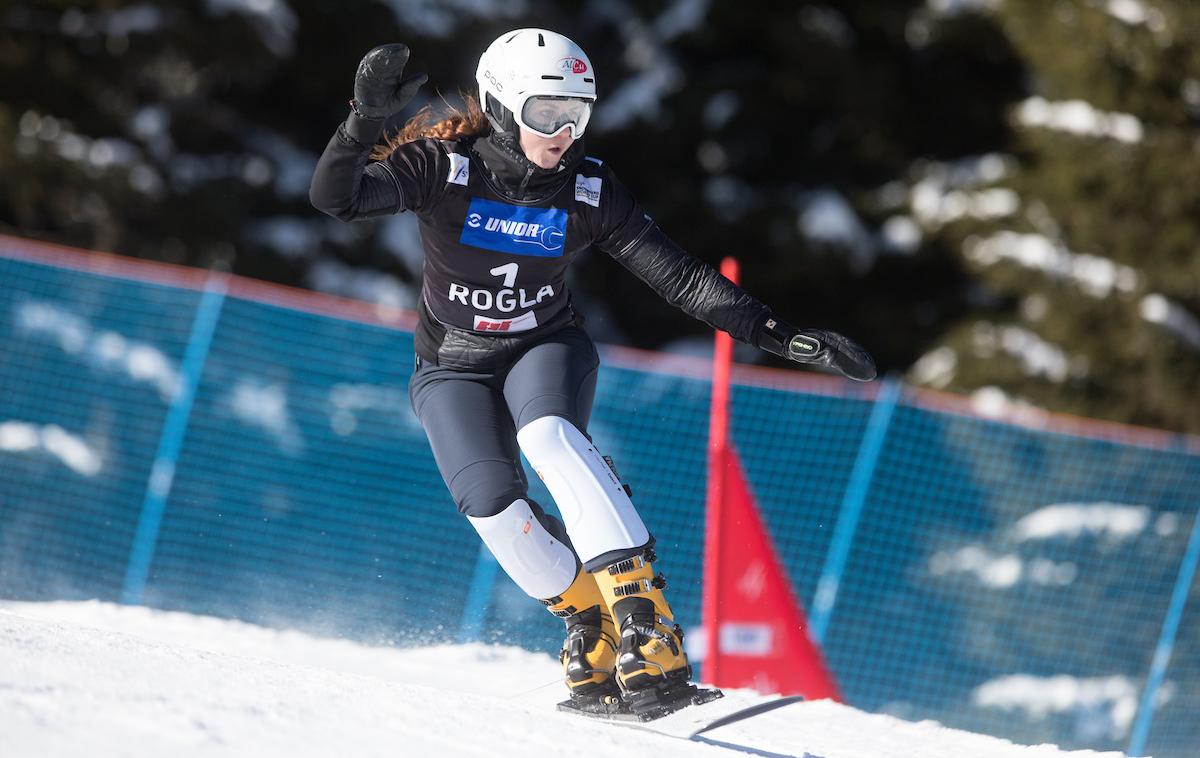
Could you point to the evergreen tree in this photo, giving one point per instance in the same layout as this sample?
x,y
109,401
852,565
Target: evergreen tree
x,y
1083,238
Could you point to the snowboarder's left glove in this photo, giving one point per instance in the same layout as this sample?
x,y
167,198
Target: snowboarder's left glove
x,y
816,346
378,90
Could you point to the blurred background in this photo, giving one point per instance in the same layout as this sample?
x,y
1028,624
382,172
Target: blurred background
x,y
991,195
999,198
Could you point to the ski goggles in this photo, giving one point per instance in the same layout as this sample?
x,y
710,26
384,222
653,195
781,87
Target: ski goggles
x,y
548,115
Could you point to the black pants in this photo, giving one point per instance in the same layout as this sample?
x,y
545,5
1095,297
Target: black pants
x,y
472,418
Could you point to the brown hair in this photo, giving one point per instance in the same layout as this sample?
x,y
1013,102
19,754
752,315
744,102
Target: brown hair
x,y
469,121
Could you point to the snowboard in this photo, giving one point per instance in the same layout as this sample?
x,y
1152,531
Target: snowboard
x,y
709,710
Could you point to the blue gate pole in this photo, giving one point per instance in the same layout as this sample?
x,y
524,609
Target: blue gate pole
x,y
479,597
162,473
1166,641
852,507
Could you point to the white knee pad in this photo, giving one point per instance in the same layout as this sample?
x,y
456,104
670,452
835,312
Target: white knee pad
x,y
540,565
598,514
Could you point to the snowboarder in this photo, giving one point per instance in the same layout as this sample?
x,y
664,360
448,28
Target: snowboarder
x,y
506,197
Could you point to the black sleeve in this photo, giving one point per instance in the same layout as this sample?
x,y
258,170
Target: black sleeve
x,y
692,285
620,219
688,283
348,186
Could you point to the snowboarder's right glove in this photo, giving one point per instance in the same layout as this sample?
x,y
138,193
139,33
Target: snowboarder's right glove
x,y
378,89
815,346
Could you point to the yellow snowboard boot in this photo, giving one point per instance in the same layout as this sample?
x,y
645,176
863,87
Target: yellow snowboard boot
x,y
589,654
652,667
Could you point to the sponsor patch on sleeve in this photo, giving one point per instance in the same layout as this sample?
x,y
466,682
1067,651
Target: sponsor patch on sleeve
x,y
587,189
460,169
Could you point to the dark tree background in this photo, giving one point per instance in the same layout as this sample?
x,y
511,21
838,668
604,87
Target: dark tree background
x,y
996,198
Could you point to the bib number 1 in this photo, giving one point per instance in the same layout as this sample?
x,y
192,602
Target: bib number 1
x,y
508,271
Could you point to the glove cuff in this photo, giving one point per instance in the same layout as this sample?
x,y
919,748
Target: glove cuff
x,y
773,335
362,129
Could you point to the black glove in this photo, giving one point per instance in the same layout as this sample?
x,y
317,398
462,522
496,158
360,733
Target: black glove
x,y
378,90
816,346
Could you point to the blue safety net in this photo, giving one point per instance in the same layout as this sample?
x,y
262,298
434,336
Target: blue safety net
x,y
999,577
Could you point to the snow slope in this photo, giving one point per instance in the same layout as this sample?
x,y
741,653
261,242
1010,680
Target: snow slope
x,y
102,680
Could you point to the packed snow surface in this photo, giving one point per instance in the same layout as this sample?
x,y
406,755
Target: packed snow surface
x,y
102,680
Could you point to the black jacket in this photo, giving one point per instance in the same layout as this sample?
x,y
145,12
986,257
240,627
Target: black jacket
x,y
499,233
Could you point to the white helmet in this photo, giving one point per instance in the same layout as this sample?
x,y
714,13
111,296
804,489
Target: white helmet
x,y
537,79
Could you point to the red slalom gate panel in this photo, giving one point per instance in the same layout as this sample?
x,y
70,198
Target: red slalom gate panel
x,y
756,633
762,635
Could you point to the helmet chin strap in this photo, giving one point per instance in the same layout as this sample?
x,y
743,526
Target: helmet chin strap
x,y
509,142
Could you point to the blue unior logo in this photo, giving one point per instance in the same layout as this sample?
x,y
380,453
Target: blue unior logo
x,y
515,229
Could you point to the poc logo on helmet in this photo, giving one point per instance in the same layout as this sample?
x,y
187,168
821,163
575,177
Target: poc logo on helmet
x,y
572,66
495,82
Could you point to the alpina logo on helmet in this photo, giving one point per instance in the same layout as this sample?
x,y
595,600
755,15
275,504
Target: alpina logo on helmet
x,y
572,66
